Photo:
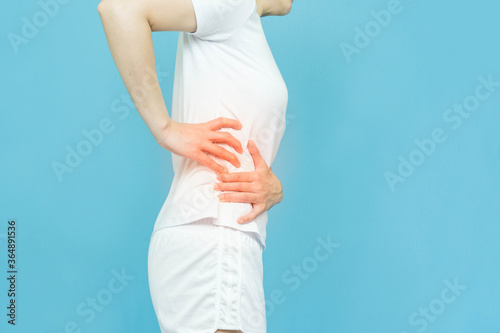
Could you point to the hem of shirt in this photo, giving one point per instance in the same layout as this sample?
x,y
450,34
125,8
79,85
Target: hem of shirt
x,y
173,221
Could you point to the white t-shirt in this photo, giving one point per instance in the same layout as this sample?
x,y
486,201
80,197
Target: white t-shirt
x,y
225,69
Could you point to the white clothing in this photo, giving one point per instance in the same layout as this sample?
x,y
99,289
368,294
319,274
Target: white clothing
x,y
204,277
225,69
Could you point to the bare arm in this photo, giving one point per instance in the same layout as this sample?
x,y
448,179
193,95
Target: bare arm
x,y
128,25
273,7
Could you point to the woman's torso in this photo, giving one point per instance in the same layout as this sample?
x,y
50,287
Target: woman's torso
x,y
227,72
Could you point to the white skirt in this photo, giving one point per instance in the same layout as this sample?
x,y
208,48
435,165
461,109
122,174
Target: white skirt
x,y
204,277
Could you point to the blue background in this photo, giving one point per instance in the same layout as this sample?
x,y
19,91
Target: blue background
x,y
348,123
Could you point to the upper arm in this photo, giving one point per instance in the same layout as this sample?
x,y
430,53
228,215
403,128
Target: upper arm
x,y
273,7
262,7
206,19
170,15
162,15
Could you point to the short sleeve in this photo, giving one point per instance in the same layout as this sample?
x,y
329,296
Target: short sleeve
x,y
216,20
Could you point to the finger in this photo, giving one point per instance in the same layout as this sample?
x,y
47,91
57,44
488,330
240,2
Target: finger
x,y
225,137
246,176
256,156
239,187
238,197
210,163
223,153
221,122
256,211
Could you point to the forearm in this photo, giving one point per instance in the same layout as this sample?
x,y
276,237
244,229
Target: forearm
x,y
130,42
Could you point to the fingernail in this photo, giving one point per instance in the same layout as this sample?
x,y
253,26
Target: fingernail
x,y
219,177
240,221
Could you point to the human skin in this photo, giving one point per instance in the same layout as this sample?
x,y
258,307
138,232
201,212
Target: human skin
x,y
128,25
261,187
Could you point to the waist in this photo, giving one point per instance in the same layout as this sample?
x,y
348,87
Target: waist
x,y
207,225
176,212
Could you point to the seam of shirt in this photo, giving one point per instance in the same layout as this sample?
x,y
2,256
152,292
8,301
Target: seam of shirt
x,y
247,17
200,22
199,19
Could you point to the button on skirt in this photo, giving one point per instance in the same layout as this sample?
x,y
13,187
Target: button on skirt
x,y
204,277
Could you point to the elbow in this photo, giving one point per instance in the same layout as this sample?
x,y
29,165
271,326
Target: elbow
x,y
101,7
119,12
109,7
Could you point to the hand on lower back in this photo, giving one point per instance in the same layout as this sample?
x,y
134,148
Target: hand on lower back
x,y
194,141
